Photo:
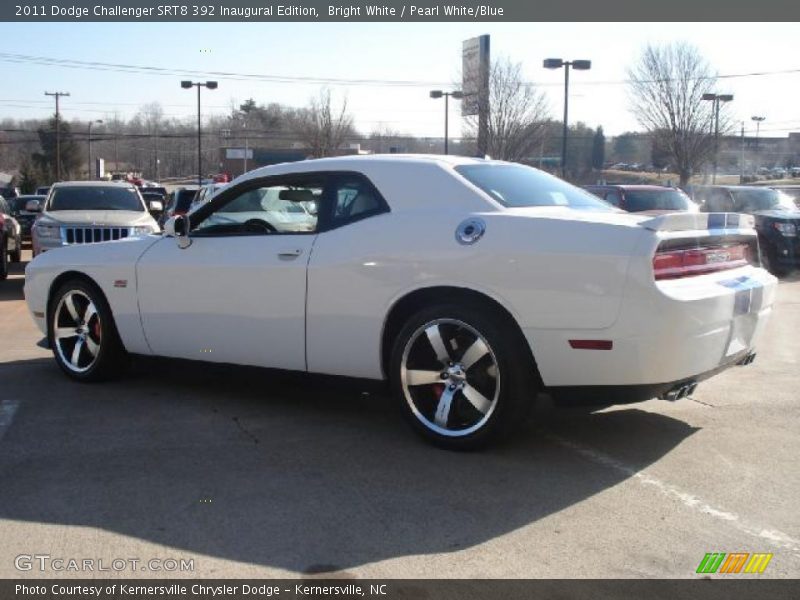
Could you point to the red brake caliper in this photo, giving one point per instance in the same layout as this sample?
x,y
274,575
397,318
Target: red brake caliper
x,y
96,329
438,390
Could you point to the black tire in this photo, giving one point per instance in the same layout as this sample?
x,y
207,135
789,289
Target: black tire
x,y
770,260
3,259
508,354
16,256
111,359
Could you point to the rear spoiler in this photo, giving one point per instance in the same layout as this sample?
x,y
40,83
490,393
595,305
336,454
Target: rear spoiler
x,y
699,222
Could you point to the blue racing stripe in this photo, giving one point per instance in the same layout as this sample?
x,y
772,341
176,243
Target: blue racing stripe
x,y
748,294
716,221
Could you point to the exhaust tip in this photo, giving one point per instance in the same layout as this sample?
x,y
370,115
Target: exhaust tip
x,y
680,390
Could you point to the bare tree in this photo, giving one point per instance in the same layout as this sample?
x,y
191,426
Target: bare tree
x,y
323,127
518,113
667,84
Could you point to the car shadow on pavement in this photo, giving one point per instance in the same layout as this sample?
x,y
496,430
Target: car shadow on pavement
x,y
274,470
11,288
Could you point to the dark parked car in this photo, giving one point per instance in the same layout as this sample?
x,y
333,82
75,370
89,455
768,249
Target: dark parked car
x,y
10,239
644,198
24,217
178,203
777,220
154,189
793,191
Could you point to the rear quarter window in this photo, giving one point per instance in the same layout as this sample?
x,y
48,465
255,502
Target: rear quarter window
x,y
520,186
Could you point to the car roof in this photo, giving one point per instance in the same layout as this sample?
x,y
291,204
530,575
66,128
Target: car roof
x,y
357,162
631,186
61,184
734,187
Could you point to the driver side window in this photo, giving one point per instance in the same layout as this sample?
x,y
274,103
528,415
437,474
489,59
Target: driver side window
x,y
269,209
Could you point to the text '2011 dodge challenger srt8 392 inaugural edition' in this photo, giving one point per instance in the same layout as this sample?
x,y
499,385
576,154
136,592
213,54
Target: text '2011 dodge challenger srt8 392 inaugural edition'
x,y
469,284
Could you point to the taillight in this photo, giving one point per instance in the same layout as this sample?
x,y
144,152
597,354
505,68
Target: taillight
x,y
675,263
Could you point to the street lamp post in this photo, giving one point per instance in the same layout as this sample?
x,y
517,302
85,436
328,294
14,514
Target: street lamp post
x,y
89,144
187,85
580,65
716,99
457,94
758,121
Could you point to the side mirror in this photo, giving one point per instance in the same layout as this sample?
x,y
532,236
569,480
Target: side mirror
x,y
33,206
155,206
178,227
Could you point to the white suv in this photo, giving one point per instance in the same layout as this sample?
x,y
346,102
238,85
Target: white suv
x,y
88,212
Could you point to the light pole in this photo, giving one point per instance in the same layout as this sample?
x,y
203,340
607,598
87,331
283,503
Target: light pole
x,y
557,63
457,94
187,85
758,121
716,99
89,144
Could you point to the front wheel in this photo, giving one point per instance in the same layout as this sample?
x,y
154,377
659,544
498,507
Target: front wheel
x,y
463,376
82,333
16,256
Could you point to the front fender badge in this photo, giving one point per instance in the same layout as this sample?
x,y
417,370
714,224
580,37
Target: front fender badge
x,y
470,231
120,283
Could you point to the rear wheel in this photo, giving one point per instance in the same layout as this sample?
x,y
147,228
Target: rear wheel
x,y
461,376
82,333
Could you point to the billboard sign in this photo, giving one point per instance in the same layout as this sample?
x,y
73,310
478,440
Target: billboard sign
x,y
238,153
475,74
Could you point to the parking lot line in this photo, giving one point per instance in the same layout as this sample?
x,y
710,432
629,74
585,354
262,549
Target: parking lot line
x,y
773,536
8,409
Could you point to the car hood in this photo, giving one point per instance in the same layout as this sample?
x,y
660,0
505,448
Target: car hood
x,y
113,218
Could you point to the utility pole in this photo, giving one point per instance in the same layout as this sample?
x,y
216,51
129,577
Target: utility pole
x,y
244,166
57,96
741,157
89,153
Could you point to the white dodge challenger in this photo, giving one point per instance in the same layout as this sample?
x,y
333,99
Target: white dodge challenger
x,y
470,285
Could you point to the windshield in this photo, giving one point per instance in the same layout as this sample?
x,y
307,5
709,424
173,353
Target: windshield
x,y
517,185
18,204
762,199
667,199
112,197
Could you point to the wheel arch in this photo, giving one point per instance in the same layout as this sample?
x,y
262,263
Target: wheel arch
x,y
66,276
405,306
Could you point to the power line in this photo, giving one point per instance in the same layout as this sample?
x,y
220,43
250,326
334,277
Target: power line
x,y
271,78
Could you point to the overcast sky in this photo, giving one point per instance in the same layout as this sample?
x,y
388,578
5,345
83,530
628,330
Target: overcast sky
x,y
428,55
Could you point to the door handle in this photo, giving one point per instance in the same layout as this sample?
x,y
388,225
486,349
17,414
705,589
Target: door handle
x,y
293,253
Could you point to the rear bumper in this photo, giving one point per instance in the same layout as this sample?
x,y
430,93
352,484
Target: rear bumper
x,y
607,395
666,333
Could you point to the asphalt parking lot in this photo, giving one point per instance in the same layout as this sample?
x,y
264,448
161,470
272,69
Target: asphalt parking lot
x,y
253,474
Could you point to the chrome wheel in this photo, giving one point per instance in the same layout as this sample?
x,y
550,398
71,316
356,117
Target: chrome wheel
x,y
450,377
77,331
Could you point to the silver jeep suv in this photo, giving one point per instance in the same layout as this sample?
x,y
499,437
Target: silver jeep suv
x,y
88,212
